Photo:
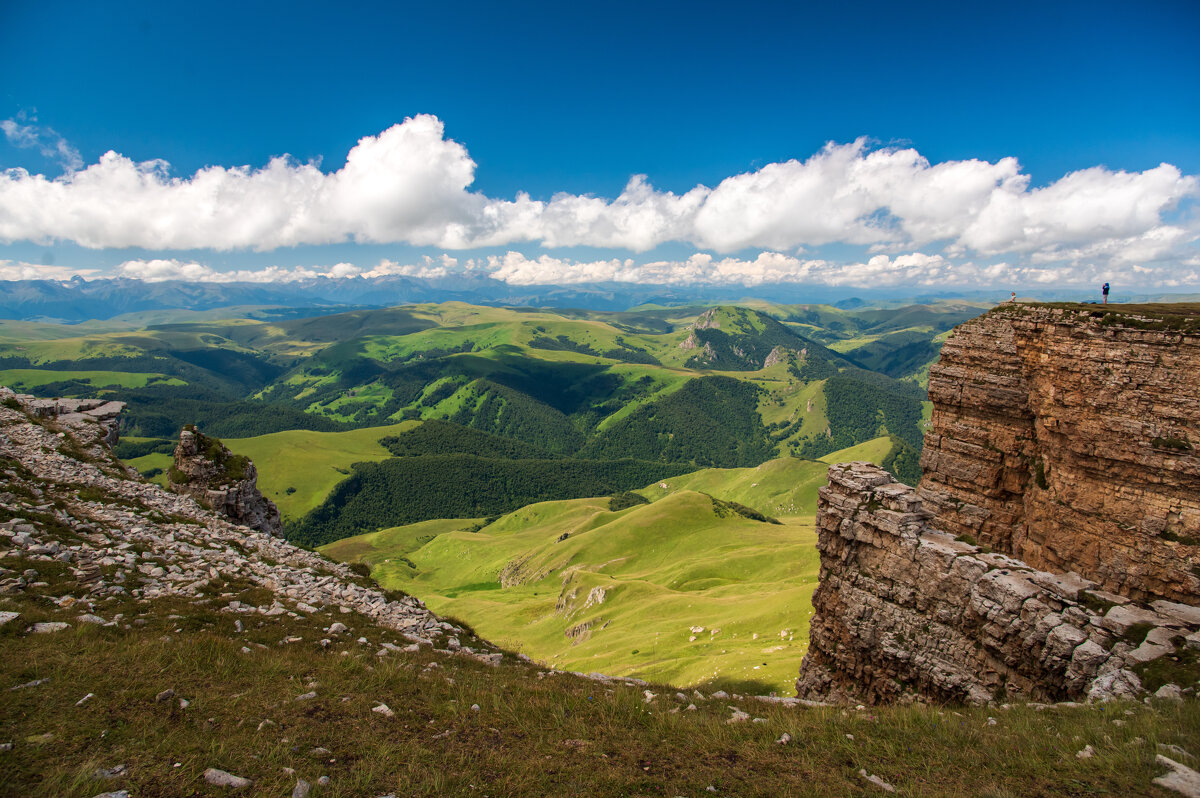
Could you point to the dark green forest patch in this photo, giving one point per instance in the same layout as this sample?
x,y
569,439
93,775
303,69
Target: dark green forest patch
x,y
404,490
443,437
710,421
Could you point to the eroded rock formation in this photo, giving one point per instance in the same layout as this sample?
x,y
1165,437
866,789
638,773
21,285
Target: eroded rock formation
x,y
1070,441
217,478
907,612
76,413
1064,443
129,536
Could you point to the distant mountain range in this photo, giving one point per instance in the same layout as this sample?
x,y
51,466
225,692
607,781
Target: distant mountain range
x,y
79,300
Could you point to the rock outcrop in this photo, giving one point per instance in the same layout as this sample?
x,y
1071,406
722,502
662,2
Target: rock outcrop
x,y
223,481
75,413
122,535
907,612
1071,440
1052,550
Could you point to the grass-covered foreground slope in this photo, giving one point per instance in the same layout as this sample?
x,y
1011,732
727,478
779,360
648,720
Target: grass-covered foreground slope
x,y
462,728
577,585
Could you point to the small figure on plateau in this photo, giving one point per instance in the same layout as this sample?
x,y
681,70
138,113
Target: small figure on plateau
x,y
1104,291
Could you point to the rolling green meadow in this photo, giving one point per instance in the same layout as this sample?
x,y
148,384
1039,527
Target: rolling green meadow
x,y
298,468
680,590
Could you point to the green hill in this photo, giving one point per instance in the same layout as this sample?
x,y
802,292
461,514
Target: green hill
x,y
577,585
565,381
583,588
402,490
297,469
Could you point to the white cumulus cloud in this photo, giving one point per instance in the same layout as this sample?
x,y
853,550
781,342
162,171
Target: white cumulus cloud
x,y
18,270
159,270
411,184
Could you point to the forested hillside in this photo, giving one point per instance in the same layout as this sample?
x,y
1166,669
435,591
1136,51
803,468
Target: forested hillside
x,y
691,387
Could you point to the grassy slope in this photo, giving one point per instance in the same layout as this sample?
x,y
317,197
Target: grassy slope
x,y
531,735
665,567
872,451
309,462
151,461
786,487
742,577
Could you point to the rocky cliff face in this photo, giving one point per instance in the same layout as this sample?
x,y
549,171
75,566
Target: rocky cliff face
x,y
1063,443
211,474
1072,442
907,612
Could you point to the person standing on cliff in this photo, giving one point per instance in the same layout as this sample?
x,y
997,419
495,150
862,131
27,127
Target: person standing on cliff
x,y
1104,291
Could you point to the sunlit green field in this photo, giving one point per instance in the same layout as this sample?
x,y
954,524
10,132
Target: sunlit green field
x,y
621,593
577,586
311,463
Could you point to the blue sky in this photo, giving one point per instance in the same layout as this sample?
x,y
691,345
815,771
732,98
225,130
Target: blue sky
x,y
572,100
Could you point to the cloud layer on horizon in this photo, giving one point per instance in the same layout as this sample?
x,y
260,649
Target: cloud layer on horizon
x,y
700,269
411,185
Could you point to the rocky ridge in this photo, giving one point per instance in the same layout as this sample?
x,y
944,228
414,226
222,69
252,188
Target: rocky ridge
x,y
907,612
122,535
75,414
217,478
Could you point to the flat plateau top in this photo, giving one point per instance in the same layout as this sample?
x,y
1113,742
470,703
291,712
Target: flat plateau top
x,y
1177,317
1187,310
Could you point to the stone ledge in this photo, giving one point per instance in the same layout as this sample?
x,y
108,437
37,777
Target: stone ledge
x,y
907,612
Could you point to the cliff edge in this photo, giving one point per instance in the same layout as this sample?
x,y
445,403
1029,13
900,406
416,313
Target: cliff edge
x,y
1070,439
1052,549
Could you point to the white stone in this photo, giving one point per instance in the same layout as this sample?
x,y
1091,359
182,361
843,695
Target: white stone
x,y
46,627
1181,778
878,782
1169,692
221,778
1117,684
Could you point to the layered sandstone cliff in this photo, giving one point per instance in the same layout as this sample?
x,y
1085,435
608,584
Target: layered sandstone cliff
x,y
217,478
1064,443
907,612
1071,440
